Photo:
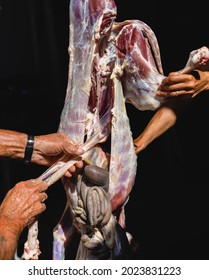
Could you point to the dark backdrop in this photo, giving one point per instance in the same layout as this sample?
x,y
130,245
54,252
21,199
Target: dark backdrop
x,y
168,208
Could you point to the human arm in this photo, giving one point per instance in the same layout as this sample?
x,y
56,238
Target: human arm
x,y
47,148
163,119
184,85
20,207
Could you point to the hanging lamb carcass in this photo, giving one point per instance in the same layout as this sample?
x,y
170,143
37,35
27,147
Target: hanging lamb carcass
x,y
110,64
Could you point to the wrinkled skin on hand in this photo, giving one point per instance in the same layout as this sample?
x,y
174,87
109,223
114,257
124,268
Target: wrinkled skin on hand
x,y
23,203
49,148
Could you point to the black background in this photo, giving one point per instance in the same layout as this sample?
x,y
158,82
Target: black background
x,y
168,209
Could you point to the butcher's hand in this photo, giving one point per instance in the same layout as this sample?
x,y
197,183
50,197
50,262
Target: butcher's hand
x,y
24,202
184,85
49,148
20,207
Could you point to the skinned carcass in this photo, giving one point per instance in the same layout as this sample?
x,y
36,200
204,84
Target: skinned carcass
x,y
111,64
105,56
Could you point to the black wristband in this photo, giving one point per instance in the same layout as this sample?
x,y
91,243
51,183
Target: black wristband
x,y
29,149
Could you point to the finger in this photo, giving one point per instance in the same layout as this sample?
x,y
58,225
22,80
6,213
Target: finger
x,y
74,149
37,182
163,93
43,207
170,93
72,169
180,93
175,73
43,197
79,150
79,164
68,174
40,208
41,185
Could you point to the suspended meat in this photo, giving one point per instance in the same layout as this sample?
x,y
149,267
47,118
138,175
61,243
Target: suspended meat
x,y
110,64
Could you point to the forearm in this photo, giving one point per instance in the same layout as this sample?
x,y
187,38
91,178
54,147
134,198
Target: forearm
x,y
8,240
12,144
162,120
46,149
